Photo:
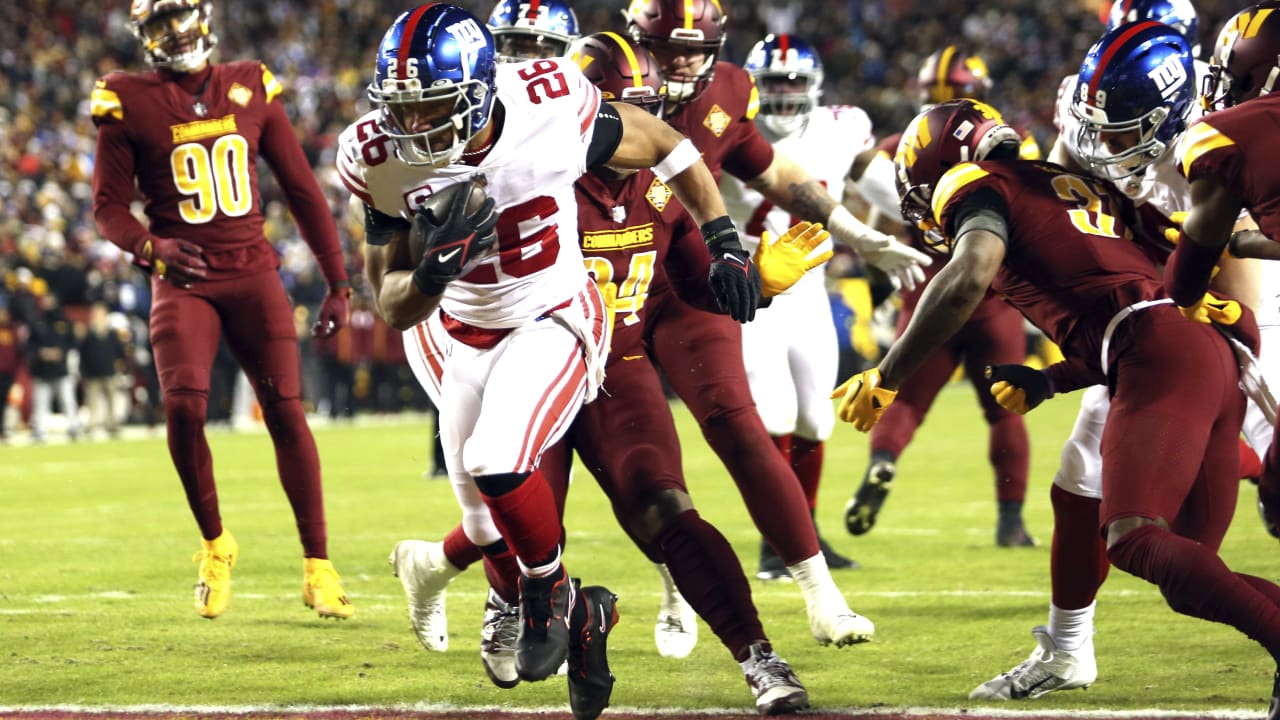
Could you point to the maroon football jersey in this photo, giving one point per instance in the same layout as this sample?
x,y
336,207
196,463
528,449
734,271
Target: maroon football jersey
x,y
1235,145
720,122
633,232
192,144
1071,263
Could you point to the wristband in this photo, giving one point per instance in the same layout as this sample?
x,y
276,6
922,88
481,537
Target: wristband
x,y
681,158
719,230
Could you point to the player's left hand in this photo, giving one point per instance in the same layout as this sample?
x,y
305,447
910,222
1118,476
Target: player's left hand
x,y
1210,309
902,263
1018,388
335,311
783,262
734,279
862,400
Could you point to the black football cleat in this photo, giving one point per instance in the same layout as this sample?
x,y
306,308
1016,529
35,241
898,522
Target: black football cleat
x,y
1013,534
860,514
834,559
590,681
771,566
543,641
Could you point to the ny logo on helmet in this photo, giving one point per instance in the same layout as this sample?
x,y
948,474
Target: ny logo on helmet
x,y
1169,75
470,41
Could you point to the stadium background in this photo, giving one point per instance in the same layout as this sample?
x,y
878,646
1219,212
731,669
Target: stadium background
x,y
51,52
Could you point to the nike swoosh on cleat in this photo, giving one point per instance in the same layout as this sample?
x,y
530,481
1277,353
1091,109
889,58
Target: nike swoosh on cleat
x,y
1017,694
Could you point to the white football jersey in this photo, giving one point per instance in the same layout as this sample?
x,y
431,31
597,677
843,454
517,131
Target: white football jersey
x,y
826,147
550,111
1162,185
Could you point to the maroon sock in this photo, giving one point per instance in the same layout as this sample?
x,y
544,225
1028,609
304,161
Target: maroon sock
x,y
1010,456
766,482
896,428
806,461
501,570
459,550
710,578
299,466
526,516
1078,559
783,443
1195,582
185,413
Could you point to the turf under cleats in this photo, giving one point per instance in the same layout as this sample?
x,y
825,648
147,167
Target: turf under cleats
x,y
860,514
590,681
498,641
777,689
322,590
1046,670
424,574
542,643
213,589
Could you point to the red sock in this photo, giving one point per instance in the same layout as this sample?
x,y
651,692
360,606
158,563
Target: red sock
x,y
1195,582
1250,463
459,550
501,570
806,460
526,516
1078,559
783,443
710,577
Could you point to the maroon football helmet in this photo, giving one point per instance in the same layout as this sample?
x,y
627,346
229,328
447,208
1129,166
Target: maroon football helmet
x,y
174,33
680,28
621,70
1246,57
951,73
945,135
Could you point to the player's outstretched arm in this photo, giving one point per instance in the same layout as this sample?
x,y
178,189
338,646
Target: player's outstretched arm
x,y
1205,232
789,186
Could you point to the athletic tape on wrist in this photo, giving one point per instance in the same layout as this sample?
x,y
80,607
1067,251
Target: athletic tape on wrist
x,y
681,158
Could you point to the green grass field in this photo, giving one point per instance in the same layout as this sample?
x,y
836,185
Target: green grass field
x,y
95,585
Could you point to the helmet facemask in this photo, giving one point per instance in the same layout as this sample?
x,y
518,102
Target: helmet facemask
x,y
520,44
175,35
787,99
431,126
1120,151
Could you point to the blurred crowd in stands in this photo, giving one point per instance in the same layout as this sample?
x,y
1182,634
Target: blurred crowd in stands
x,y
73,310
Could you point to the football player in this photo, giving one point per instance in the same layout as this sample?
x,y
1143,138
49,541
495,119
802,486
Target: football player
x,y
1121,118
1054,242
524,324
993,335
715,103
790,348
532,29
1219,157
189,133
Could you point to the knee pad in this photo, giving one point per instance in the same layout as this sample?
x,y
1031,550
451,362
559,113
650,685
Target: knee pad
x,y
648,520
186,407
283,413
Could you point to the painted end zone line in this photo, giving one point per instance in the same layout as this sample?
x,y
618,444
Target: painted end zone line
x,y
427,711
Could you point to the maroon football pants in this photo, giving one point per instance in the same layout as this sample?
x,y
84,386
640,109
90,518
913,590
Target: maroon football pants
x,y
255,316
993,337
701,355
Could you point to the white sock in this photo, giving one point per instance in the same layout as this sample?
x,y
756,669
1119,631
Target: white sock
x,y
814,579
1071,629
540,571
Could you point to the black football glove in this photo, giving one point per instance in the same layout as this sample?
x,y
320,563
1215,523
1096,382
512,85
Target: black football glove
x,y
1018,388
452,242
734,279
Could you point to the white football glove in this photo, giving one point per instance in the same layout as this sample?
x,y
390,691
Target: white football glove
x,y
902,263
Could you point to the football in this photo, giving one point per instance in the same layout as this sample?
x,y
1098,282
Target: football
x,y
438,206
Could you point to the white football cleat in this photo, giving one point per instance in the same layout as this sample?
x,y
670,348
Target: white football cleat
x,y
424,574
776,688
498,641
832,622
676,632
1046,670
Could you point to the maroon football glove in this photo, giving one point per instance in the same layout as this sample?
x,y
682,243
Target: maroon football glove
x,y
335,311
178,261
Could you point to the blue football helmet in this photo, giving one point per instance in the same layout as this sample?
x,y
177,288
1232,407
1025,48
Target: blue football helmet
x,y
1133,95
531,29
434,82
788,73
1178,14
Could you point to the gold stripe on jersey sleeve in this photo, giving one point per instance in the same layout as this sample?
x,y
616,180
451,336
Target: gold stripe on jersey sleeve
x,y
1200,139
105,103
753,101
1029,149
270,84
951,182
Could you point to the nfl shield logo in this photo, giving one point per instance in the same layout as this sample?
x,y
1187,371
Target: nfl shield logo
x,y
619,213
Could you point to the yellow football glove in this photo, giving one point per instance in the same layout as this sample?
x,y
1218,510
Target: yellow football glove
x,y
862,400
1210,309
1173,232
1018,388
783,263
